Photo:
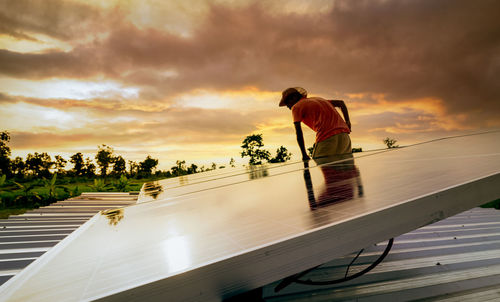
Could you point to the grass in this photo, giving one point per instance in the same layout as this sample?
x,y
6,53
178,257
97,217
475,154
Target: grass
x,y
4,213
74,186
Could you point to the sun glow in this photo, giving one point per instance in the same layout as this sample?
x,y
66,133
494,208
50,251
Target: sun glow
x,y
37,44
68,89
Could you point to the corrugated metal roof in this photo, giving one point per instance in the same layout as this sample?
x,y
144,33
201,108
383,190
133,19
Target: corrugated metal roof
x,y
456,259
24,238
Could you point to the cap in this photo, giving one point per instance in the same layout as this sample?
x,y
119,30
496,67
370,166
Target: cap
x,y
287,92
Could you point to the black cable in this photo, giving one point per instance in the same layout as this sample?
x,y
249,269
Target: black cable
x,y
295,278
349,266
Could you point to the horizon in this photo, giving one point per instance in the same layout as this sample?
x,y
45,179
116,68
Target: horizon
x,y
190,80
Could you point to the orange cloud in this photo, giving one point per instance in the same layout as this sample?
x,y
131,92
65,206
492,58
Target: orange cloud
x,y
212,73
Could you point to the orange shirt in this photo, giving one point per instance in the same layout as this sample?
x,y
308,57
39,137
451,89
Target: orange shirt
x,y
319,115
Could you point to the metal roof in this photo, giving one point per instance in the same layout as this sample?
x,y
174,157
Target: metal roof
x,y
466,246
24,238
456,259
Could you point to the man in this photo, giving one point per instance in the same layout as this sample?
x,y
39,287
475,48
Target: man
x,y
332,132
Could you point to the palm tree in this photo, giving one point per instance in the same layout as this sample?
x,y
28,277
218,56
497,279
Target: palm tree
x,y
52,187
99,185
122,183
27,194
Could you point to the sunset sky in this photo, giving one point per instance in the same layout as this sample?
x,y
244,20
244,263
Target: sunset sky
x,y
190,79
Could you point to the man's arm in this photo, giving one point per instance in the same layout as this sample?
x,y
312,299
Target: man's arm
x,y
343,107
300,140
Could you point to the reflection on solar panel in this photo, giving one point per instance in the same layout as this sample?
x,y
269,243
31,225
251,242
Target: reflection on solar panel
x,y
211,238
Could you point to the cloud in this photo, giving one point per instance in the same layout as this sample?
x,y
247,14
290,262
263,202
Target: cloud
x,y
448,50
64,20
404,67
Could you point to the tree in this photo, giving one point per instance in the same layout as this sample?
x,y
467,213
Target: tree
x,y
390,142
100,185
104,158
251,146
18,166
60,164
52,187
179,168
39,164
214,166
119,165
148,165
192,169
89,168
27,196
282,155
122,183
133,168
78,164
4,153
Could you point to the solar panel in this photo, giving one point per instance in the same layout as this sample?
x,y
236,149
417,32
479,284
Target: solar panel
x,y
213,239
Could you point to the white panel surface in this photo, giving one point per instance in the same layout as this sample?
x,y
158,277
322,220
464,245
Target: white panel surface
x,y
213,241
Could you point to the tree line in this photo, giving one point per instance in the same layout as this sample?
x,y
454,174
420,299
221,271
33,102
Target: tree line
x,y
41,165
108,164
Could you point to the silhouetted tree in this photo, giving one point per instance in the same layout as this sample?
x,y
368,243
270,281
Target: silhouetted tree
x,y
390,142
4,153
179,168
89,168
18,166
147,166
133,168
252,148
119,165
192,169
78,164
39,164
104,158
60,164
282,155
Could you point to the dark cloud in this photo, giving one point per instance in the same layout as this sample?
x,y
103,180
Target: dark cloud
x,y
64,20
448,50
75,64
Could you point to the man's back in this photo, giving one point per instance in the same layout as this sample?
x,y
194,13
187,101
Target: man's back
x,y
319,115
